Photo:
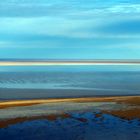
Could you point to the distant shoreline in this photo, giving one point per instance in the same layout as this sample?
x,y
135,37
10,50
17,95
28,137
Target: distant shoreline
x,y
20,62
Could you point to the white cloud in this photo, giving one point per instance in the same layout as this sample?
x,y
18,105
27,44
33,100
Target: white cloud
x,y
124,8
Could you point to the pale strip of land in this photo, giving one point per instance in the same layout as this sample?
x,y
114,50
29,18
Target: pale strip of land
x,y
66,63
134,100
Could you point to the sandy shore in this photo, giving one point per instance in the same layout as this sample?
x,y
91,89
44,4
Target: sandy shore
x,y
133,100
129,114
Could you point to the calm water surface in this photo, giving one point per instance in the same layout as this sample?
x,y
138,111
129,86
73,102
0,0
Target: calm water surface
x,y
94,79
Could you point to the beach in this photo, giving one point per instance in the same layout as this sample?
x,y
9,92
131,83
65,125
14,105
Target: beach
x,y
111,115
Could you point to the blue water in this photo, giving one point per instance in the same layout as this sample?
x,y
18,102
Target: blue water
x,y
96,79
106,127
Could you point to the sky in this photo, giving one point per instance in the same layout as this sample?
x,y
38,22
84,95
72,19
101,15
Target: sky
x,y
70,29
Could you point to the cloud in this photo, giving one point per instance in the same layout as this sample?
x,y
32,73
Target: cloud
x,y
129,27
38,28
124,8
62,8
89,29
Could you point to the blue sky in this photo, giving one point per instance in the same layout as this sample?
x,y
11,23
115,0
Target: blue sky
x,y
70,29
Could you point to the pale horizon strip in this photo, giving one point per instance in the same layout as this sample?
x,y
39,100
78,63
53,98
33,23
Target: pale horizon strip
x,y
66,63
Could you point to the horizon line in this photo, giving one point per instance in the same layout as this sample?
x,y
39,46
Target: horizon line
x,y
39,62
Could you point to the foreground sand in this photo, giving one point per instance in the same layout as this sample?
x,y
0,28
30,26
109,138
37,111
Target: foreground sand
x,y
133,100
130,113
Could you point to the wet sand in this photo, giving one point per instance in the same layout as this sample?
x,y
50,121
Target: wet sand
x,y
88,118
52,117
132,100
129,114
